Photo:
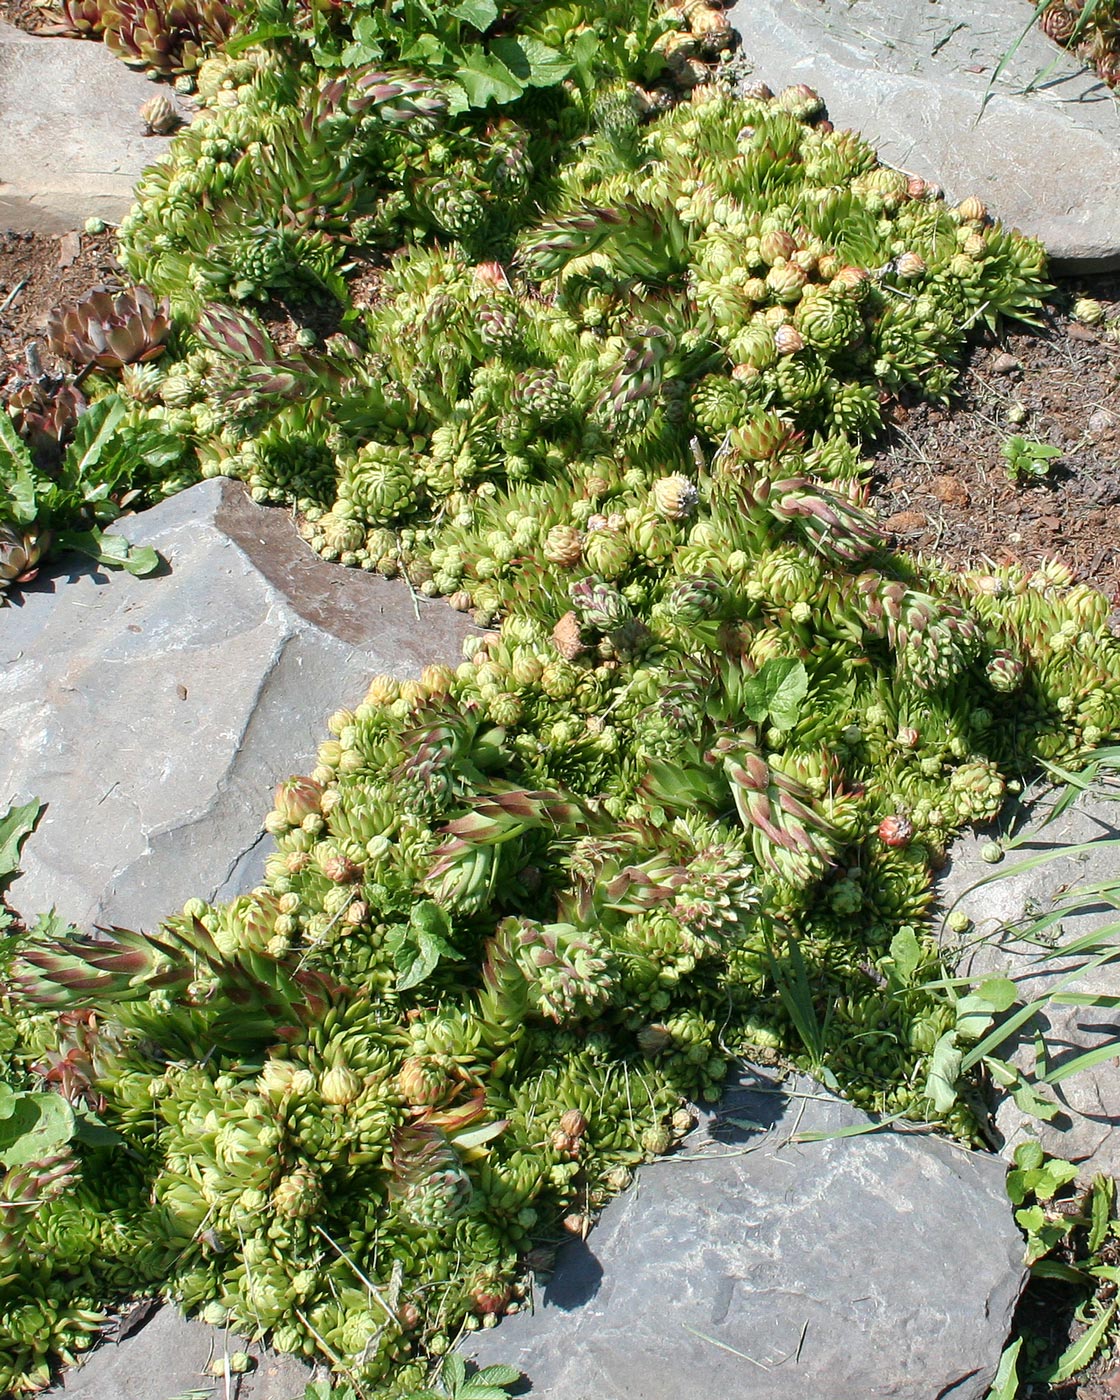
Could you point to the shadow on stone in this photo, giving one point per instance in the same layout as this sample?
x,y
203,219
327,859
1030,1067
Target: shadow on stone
x,y
577,1282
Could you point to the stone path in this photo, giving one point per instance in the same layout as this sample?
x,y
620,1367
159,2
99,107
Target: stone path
x,y
171,1357
71,143
760,1267
1087,1128
911,76
154,716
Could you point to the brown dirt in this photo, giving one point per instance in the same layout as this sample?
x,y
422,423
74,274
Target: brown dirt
x,y
29,15
37,273
943,488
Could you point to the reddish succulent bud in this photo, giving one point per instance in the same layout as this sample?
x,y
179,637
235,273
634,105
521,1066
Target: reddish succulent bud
x,y
896,830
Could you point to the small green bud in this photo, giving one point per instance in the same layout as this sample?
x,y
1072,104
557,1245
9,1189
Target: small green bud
x,y
992,852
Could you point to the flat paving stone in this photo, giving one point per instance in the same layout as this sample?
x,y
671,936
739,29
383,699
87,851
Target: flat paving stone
x,y
154,716
72,144
761,1266
1081,844
170,1356
911,75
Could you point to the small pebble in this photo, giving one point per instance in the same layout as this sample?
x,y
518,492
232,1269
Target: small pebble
x,y
1005,364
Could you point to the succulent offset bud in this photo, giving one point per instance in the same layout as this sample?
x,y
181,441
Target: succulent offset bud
x,y
598,604
1088,311
296,798
563,546
972,210
910,265
573,1123
1005,672
788,340
675,497
298,1195
652,1040
159,115
896,830
567,637
340,1085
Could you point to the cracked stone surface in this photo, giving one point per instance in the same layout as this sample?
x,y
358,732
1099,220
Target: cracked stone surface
x,y
154,716
171,1356
911,75
71,143
756,1266
1085,1129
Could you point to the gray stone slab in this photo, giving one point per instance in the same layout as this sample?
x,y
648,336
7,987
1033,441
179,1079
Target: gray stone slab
x,y
1087,1129
170,1356
71,143
911,76
154,716
763,1268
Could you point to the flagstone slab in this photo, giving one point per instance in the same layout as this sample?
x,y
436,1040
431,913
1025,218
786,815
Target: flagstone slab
x,y
72,144
1081,851
154,716
172,1356
765,1266
912,76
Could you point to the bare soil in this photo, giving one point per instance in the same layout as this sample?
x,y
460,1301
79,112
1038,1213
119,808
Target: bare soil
x,y
943,488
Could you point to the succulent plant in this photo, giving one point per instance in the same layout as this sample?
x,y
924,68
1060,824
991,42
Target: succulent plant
x,y
111,330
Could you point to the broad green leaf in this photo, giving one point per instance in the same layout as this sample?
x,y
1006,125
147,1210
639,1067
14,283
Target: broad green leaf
x,y
113,550
486,79
974,1016
1005,1382
1081,1352
93,432
1054,1268
1052,1176
431,918
454,1372
906,953
530,61
1029,1155
498,1375
19,494
999,992
944,1071
37,1125
1028,1100
479,13
1102,1196
776,692
16,824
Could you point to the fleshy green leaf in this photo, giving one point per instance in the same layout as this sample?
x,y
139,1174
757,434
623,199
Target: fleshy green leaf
x,y
15,826
944,1071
